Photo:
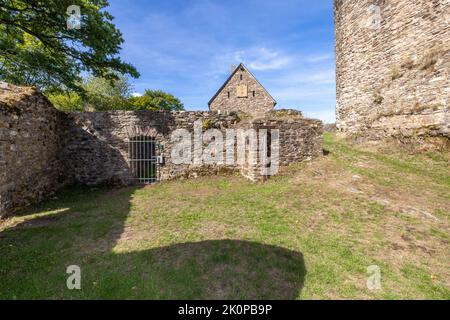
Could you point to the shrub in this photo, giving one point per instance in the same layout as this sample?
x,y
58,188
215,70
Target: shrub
x,y
377,98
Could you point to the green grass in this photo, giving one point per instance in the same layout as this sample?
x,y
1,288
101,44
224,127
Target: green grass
x,y
309,233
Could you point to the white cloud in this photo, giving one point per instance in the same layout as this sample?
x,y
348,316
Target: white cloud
x,y
301,93
136,94
320,77
310,77
255,58
262,58
319,58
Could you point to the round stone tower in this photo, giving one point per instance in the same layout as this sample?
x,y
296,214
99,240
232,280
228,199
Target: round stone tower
x,y
392,66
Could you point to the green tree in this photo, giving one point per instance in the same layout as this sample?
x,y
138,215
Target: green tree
x,y
37,48
155,100
67,101
100,94
103,95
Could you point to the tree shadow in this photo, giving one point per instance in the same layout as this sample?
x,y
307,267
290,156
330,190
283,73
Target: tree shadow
x,y
215,269
83,228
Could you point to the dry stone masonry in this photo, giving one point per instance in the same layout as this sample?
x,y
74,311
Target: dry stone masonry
x,y
97,151
300,139
43,149
393,64
31,142
97,148
242,92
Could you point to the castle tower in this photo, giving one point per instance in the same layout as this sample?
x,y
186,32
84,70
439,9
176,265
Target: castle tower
x,y
392,66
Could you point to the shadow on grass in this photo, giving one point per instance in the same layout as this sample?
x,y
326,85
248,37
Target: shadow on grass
x,y
83,228
215,269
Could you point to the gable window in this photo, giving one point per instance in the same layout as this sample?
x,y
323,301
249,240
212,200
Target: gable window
x,y
241,76
253,92
228,93
242,91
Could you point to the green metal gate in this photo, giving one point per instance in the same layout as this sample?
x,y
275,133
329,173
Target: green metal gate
x,y
143,158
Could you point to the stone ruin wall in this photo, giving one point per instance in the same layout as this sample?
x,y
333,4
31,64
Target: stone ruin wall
x,y
31,167
43,150
96,150
393,73
300,139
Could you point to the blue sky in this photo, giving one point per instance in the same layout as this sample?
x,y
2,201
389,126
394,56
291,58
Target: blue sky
x,y
186,47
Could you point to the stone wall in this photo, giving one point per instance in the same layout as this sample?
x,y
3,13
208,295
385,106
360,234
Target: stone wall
x,y
96,150
392,65
300,139
42,149
30,148
257,102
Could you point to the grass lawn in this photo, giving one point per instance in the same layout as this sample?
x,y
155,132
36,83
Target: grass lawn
x,y
309,233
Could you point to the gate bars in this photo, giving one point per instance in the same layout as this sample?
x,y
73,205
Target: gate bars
x,y
143,159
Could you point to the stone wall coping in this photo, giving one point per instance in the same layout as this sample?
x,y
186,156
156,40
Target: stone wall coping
x,y
199,112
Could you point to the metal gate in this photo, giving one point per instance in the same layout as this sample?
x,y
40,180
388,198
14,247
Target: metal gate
x,y
143,159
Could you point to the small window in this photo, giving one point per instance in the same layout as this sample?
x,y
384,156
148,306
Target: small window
x,y
242,91
228,93
241,76
253,92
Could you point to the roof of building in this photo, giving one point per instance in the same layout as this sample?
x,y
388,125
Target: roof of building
x,y
241,65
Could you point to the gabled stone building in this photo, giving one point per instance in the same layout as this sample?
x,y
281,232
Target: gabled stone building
x,y
242,92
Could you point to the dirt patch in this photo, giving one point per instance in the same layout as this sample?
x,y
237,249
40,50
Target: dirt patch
x,y
132,237
215,230
418,203
408,244
408,203
199,191
118,240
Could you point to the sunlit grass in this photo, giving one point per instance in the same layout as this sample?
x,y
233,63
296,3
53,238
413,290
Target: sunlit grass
x,y
309,233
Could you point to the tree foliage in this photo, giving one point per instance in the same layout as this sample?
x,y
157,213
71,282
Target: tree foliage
x,y
99,94
104,95
67,101
156,100
37,48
